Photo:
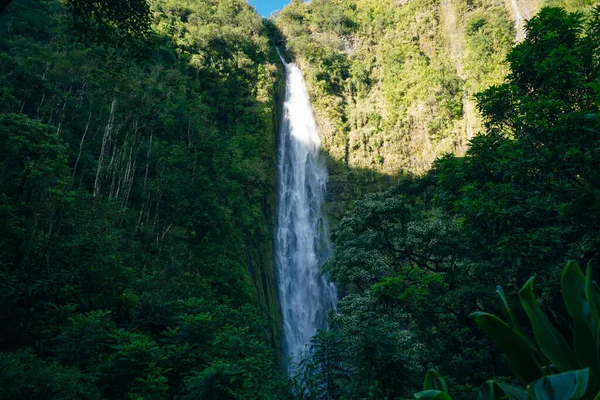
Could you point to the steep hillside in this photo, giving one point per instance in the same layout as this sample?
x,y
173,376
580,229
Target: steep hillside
x,y
462,269
137,198
393,81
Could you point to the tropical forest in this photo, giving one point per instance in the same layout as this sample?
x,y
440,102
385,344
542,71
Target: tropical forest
x,y
328,200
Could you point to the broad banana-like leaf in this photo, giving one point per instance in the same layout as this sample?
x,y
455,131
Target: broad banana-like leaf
x,y
513,392
514,322
549,340
519,355
592,292
510,317
432,395
491,391
434,381
569,385
573,284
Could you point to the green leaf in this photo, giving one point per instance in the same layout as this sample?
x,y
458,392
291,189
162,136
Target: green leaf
x,y
491,391
596,87
592,293
519,355
512,320
566,386
432,395
434,381
513,392
573,284
573,287
549,340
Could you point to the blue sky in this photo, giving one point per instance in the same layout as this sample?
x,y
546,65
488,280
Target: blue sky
x,y
266,7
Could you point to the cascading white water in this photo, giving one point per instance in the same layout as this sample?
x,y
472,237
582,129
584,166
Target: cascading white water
x,y
302,241
519,21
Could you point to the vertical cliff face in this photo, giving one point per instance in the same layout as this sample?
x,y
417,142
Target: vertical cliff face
x,y
393,81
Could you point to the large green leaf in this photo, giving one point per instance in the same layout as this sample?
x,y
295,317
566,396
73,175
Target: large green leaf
x,y
549,340
566,386
512,320
434,381
573,285
513,392
432,395
519,355
592,293
491,391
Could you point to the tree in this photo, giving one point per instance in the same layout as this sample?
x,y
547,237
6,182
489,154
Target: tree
x,y
549,366
135,204
132,16
524,199
128,15
321,374
530,185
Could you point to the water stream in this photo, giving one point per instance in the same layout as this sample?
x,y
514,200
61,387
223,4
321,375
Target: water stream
x,y
302,241
519,21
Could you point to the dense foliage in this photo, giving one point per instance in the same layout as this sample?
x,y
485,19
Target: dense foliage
x,y
393,81
137,151
416,260
549,366
136,193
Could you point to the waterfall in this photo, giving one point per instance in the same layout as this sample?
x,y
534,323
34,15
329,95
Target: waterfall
x,y
519,20
302,241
